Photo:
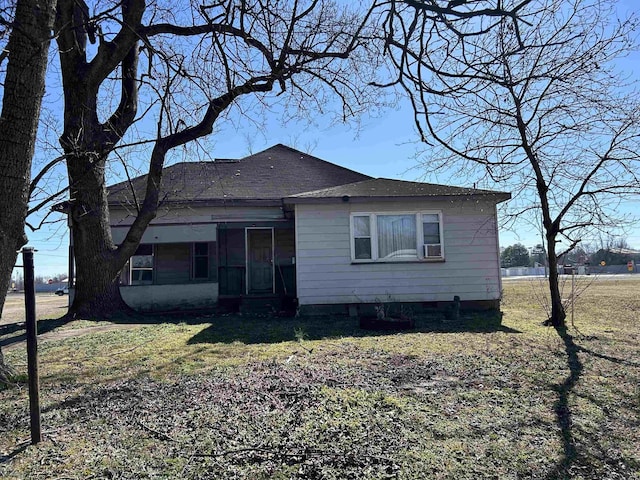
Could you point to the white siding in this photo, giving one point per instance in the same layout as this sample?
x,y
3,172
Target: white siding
x,y
326,275
120,216
170,233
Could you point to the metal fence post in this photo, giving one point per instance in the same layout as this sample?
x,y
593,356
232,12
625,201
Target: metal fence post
x,y
32,343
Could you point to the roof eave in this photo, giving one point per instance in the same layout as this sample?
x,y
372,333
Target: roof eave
x,y
212,202
497,197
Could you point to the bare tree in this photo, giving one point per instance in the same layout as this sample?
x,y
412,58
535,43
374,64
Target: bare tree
x,y
535,103
25,55
176,69
184,68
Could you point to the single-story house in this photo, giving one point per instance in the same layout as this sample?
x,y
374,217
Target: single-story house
x,y
284,226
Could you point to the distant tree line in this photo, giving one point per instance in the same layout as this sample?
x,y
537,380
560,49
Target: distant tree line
x,y
17,281
39,279
616,252
515,256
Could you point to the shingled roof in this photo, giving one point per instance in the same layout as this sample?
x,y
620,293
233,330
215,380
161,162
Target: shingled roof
x,y
277,173
381,188
270,175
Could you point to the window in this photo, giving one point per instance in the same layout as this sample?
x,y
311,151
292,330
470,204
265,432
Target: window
x,y
200,261
141,265
361,237
431,232
388,237
396,236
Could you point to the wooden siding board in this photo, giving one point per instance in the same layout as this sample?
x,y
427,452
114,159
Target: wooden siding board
x,y
436,283
330,230
232,247
158,234
317,258
326,274
418,278
431,269
329,243
231,261
392,295
320,297
232,280
330,253
200,214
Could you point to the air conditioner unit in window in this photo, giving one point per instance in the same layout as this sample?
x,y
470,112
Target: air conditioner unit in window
x,y
435,250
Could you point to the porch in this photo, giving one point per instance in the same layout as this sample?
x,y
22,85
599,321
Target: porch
x,y
257,266
241,268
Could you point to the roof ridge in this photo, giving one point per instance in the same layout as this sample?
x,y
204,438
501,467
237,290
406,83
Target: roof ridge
x,y
272,147
275,172
307,155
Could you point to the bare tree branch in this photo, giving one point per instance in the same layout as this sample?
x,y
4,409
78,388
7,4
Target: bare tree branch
x,y
533,101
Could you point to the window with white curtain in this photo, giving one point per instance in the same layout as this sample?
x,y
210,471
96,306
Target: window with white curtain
x,y
387,237
396,236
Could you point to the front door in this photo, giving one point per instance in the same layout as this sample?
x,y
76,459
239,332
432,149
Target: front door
x,y
260,260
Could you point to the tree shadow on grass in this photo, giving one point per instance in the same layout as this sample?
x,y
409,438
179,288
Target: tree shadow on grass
x,y
16,451
564,415
253,329
13,333
44,326
577,441
609,358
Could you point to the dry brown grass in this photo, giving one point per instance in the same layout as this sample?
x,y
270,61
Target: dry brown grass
x,y
236,397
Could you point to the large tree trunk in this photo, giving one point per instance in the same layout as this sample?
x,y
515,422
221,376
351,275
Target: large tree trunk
x,y
28,48
97,264
87,143
558,315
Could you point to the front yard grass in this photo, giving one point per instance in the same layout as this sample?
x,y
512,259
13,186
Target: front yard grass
x,y
257,397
